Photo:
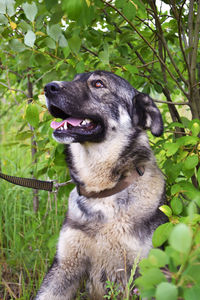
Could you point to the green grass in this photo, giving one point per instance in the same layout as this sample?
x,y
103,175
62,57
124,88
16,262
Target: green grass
x,y
27,240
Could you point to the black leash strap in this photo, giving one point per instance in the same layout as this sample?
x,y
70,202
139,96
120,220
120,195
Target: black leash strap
x,y
29,182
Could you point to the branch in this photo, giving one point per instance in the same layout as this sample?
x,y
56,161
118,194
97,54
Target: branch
x,y
181,30
10,71
90,51
160,35
15,90
190,27
149,45
195,44
149,63
172,103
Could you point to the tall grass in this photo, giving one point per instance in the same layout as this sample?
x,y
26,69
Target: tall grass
x,y
27,240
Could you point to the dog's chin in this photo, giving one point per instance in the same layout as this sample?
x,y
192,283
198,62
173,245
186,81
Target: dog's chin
x,y
79,135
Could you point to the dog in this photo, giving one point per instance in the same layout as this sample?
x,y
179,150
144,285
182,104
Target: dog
x,y
114,208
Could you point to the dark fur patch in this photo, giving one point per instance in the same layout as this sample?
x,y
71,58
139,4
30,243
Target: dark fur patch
x,y
103,276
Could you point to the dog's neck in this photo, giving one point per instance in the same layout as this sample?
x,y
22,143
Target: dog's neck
x,y
122,184
100,167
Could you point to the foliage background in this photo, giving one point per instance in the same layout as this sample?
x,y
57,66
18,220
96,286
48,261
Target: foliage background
x,y
154,45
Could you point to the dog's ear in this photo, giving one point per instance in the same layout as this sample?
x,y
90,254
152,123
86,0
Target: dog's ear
x,y
146,114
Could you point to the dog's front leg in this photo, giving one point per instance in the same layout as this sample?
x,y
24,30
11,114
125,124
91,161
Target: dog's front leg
x,y
69,267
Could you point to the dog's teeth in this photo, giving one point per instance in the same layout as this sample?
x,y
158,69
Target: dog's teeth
x,y
65,125
88,121
84,122
61,128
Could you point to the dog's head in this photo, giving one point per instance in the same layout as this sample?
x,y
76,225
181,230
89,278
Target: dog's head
x,y
97,101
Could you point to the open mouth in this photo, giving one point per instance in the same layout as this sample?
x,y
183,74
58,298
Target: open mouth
x,y
87,128
74,124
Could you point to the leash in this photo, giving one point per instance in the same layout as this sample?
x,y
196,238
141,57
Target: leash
x,y
52,186
49,186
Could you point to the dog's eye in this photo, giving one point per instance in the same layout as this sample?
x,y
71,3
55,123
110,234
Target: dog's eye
x,y
98,84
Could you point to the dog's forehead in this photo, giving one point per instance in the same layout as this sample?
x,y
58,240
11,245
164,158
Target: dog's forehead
x,y
104,75
112,81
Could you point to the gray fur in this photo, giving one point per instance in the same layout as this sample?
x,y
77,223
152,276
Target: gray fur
x,y
101,237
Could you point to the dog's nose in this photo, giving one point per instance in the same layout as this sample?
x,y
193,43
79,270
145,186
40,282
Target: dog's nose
x,y
52,88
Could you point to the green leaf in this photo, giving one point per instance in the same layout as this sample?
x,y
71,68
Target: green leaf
x,y
161,234
80,67
73,8
74,43
158,258
132,69
181,238
166,291
3,20
166,210
198,176
175,124
158,88
66,51
62,41
195,128
29,38
24,26
24,135
192,293
10,7
104,55
193,273
176,205
30,10
187,140
7,6
50,43
17,46
188,189
2,6
191,162
54,32
172,169
175,258
32,115
150,278
129,10
171,148
49,4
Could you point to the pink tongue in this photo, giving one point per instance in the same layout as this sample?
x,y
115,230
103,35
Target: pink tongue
x,y
72,121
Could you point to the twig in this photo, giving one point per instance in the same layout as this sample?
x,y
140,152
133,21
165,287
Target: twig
x,y
149,63
11,71
195,44
44,74
11,89
172,103
90,51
